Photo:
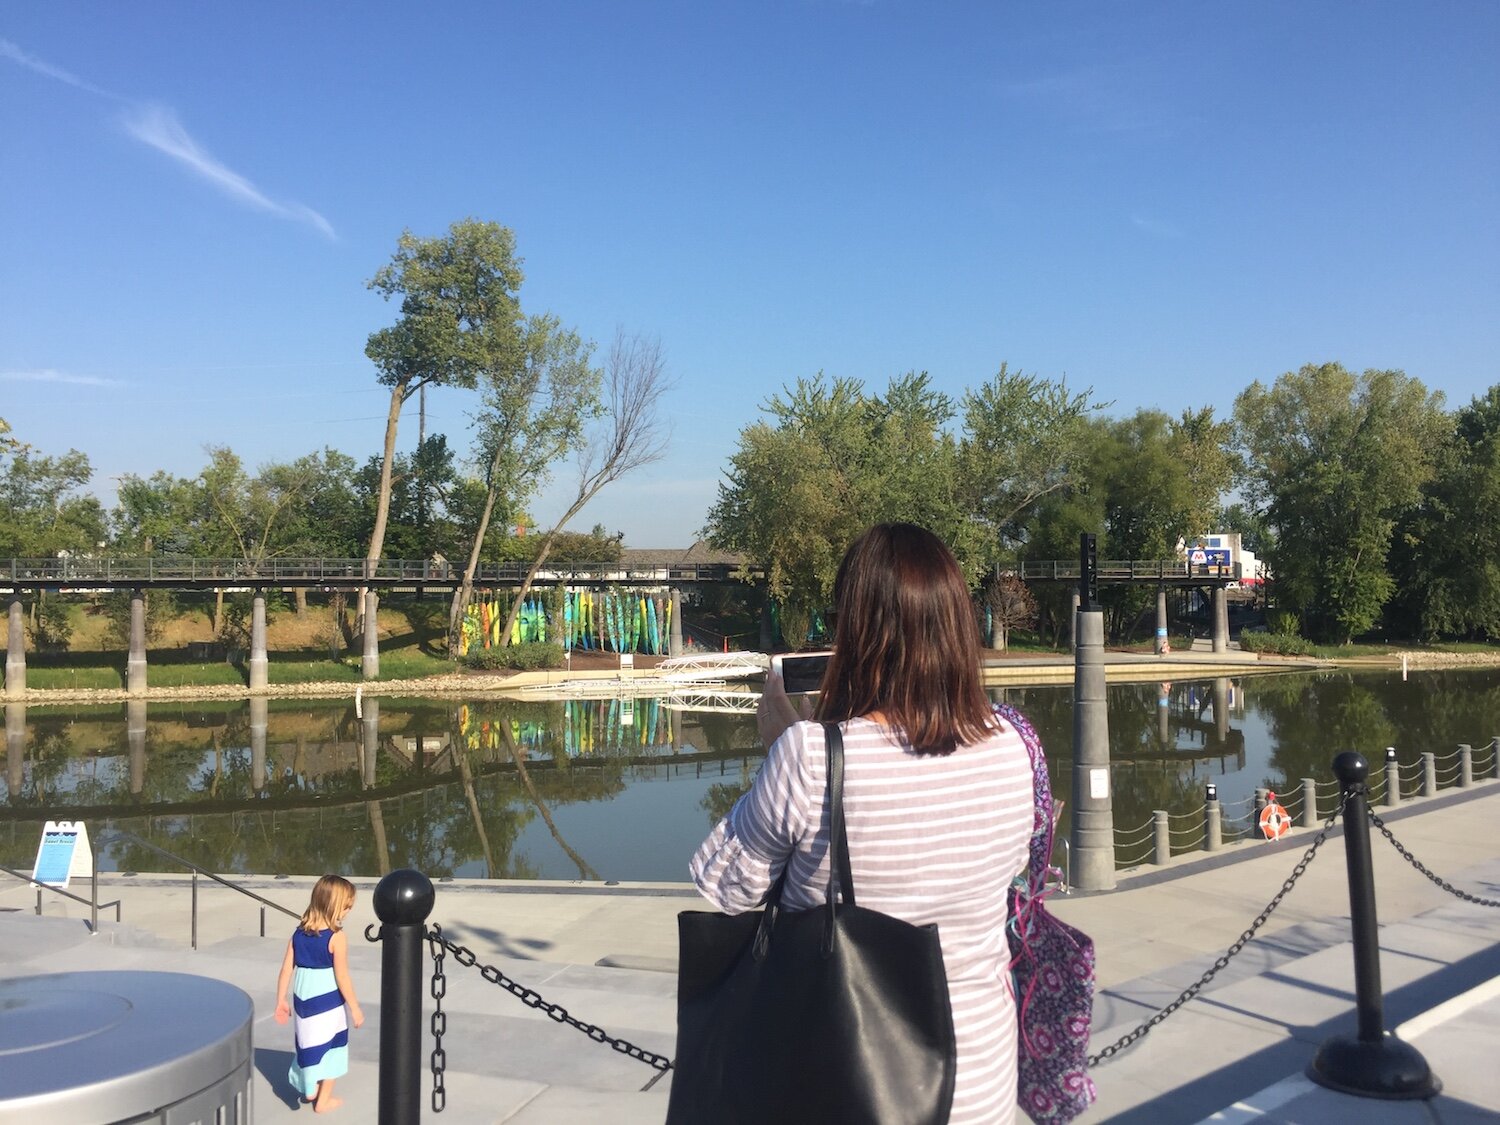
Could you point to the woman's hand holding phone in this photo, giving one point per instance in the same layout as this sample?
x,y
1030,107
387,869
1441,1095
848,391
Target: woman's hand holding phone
x,y
776,711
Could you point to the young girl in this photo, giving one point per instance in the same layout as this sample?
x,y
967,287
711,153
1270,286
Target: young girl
x,y
321,988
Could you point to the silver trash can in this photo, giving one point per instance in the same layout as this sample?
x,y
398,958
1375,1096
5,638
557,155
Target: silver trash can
x,y
101,1048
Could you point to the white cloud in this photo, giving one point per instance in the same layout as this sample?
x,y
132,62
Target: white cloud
x,y
157,126
48,375
9,50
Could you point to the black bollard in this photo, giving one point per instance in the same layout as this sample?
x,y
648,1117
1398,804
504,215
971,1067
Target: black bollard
x,y
403,900
1372,1063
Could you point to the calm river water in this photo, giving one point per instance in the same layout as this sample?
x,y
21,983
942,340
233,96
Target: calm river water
x,y
617,788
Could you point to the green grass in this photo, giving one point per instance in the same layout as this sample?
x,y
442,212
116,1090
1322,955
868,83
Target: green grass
x,y
106,671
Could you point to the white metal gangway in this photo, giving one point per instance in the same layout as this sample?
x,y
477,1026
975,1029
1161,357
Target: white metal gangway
x,y
710,666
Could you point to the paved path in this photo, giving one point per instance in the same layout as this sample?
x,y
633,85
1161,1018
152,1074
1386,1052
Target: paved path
x,y
1235,1054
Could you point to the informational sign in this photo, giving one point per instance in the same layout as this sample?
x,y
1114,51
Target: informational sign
x,y
63,853
627,660
1212,559
627,712
1098,784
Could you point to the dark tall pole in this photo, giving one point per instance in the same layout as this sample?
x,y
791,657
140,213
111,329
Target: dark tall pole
x,y
403,900
1372,1063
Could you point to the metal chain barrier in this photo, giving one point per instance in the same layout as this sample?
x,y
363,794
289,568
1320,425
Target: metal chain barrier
x,y
1229,954
439,1020
527,996
1415,862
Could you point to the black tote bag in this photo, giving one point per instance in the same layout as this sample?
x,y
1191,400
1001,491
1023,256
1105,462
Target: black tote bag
x,y
834,1014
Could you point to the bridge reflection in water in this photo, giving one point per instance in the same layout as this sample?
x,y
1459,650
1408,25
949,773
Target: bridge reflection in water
x,y
613,788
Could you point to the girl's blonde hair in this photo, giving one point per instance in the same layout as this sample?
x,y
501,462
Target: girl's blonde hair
x,y
332,896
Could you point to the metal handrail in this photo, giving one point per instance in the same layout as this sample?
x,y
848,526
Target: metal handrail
x,y
79,571
92,903
121,833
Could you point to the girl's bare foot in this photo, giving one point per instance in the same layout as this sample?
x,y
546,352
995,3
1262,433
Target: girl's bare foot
x,y
328,1104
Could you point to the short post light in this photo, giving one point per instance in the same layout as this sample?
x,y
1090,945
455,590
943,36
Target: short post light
x,y
1213,819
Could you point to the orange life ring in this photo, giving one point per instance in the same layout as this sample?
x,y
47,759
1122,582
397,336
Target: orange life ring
x,y
1274,822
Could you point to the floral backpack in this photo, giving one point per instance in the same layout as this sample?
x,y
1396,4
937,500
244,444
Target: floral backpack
x,y
1052,965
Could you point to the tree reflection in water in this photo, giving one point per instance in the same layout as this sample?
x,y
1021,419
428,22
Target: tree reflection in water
x,y
522,789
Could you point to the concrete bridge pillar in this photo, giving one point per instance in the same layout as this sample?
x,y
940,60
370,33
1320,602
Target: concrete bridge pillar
x,y
258,660
1221,620
674,635
135,665
1221,709
15,652
259,706
1164,713
135,738
1162,644
369,666
1093,844
369,739
15,747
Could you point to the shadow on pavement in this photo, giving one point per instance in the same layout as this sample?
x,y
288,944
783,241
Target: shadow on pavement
x,y
273,1067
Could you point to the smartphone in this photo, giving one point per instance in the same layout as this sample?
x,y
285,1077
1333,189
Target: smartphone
x,y
801,671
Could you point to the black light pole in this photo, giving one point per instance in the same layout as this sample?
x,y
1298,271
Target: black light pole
x,y
1372,1063
403,900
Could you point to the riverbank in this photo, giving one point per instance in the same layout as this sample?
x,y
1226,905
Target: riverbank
x,y
1013,668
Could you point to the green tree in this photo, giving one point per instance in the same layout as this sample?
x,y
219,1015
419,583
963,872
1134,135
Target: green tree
x,y
534,410
155,514
1255,534
326,520
629,433
1144,484
460,317
1333,460
1447,549
830,461
577,548
1024,437
42,511
420,521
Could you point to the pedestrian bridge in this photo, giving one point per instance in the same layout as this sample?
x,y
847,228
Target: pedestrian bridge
x,y
1157,572
182,573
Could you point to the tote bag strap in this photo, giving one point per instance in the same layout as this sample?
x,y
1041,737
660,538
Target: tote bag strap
x,y
1045,814
840,875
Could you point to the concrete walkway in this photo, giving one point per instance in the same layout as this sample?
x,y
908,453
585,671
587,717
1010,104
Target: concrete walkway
x,y
1234,1054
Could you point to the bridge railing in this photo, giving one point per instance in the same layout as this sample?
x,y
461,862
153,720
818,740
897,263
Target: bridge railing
x,y
166,569
1130,570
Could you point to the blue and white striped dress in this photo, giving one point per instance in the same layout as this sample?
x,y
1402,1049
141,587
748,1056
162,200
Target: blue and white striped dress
x,y
931,839
321,1030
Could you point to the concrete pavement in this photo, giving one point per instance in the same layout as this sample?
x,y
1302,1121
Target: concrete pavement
x,y
1234,1054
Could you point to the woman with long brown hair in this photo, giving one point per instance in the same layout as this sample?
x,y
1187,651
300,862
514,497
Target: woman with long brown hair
x,y
937,792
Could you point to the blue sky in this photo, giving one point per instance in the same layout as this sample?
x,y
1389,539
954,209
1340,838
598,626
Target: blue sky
x,y
1162,201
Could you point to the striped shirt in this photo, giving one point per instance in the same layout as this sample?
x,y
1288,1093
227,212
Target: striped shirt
x,y
931,839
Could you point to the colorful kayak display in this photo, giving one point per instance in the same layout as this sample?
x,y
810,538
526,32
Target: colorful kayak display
x,y
608,620
618,620
590,727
